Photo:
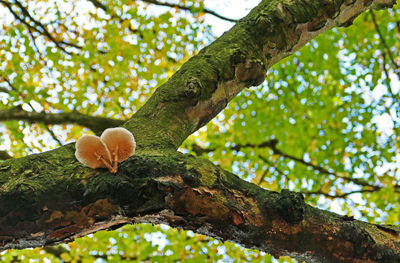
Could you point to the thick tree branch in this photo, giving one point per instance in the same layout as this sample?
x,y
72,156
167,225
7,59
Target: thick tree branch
x,y
179,190
238,59
96,124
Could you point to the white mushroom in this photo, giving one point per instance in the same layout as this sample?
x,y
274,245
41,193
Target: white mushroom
x,y
121,144
92,152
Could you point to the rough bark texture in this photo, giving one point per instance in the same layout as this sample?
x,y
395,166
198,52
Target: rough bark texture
x,y
238,59
65,201
50,197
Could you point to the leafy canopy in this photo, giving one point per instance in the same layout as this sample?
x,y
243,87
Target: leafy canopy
x,y
325,122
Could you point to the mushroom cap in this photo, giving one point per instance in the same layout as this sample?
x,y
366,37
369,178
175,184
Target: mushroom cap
x,y
122,138
87,146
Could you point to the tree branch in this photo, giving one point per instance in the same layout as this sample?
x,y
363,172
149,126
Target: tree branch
x,y
50,197
4,90
39,27
183,7
4,155
164,189
206,83
96,124
272,145
342,195
54,136
385,45
100,5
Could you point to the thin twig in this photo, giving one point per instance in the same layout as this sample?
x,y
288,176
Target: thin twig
x,y
272,145
265,173
384,44
100,5
271,164
205,10
343,195
4,90
39,27
53,135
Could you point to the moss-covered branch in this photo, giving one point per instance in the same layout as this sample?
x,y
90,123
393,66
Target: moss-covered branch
x,y
51,198
96,124
238,59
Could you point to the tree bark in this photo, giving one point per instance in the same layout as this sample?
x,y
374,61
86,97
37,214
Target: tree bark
x,y
96,124
50,198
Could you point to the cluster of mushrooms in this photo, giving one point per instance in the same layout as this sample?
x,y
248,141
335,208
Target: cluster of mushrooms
x,y
115,145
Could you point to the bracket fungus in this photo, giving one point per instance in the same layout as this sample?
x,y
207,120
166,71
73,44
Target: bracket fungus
x,y
114,146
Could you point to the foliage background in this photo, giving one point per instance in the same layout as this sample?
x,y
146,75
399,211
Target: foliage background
x,y
324,123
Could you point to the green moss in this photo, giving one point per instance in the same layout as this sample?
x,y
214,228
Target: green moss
x,y
290,206
204,168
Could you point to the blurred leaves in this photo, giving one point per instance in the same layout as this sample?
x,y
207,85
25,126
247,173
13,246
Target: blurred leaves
x,y
332,108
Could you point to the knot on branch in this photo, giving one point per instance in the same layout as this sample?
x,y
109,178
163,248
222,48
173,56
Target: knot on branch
x,y
270,21
192,88
290,206
252,72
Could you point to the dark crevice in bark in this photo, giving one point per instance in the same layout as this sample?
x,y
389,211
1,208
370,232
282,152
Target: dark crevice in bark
x,y
182,191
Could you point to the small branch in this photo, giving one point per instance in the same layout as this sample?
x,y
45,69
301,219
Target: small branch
x,y
387,79
319,192
265,173
53,135
39,27
200,150
4,90
119,18
384,44
98,4
96,124
205,10
4,155
272,145
271,164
